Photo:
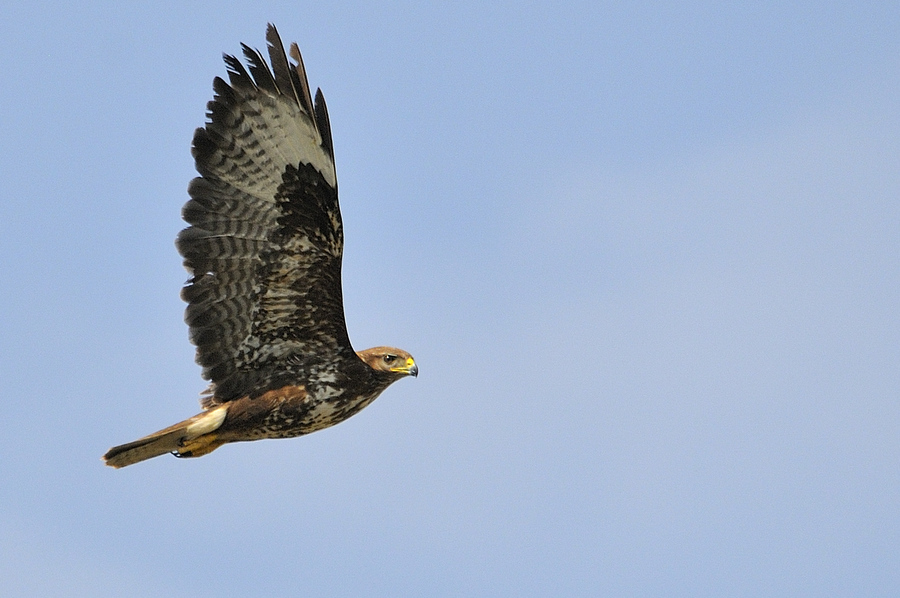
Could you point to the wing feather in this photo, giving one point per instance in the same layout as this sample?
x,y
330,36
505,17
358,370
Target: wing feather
x,y
237,74
299,78
280,67
323,123
262,76
265,240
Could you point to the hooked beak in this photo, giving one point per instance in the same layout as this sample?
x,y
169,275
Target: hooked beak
x,y
409,368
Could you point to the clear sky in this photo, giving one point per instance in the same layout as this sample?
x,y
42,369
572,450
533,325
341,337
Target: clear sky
x,y
647,256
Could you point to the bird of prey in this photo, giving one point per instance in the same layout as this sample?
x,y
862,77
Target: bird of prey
x,y
263,252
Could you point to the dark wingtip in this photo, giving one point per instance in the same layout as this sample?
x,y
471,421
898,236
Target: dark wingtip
x,y
323,124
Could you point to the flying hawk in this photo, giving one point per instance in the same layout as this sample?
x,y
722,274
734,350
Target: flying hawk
x,y
263,251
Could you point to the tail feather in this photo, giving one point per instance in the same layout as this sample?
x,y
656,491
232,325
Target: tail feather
x,y
191,438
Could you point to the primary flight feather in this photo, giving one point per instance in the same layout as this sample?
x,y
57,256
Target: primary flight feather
x,y
264,250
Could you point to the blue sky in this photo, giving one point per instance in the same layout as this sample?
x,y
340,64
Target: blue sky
x,y
647,256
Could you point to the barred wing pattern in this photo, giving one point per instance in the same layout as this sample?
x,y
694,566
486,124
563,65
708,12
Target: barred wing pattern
x,y
265,243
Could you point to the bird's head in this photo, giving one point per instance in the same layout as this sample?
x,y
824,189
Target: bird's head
x,y
390,360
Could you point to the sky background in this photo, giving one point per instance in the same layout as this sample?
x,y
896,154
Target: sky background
x,y
646,255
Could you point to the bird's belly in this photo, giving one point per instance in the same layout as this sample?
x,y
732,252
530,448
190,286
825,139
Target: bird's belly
x,y
290,414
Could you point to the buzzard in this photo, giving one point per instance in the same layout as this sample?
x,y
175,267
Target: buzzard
x,y
263,251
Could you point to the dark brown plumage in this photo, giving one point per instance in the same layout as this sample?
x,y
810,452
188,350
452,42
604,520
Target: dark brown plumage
x,y
264,250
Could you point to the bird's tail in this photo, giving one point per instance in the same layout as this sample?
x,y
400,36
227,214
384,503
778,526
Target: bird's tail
x,y
193,437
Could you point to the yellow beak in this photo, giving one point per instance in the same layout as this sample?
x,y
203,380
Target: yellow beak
x,y
409,368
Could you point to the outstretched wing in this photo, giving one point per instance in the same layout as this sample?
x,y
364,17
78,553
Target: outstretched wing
x,y
265,242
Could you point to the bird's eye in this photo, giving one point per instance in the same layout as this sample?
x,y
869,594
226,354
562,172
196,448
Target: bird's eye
x,y
389,358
